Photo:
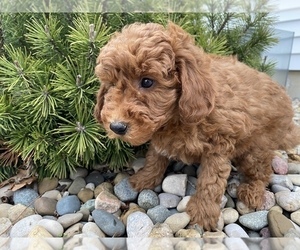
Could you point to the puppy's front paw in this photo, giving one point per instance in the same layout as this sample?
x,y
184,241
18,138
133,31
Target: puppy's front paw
x,y
251,194
139,182
205,215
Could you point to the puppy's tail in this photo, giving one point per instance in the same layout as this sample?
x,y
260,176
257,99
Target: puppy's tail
x,y
292,138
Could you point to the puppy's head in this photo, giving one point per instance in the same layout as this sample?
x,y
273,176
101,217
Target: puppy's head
x,y
148,75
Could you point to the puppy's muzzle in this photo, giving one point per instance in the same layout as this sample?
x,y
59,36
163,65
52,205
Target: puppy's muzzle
x,y
120,128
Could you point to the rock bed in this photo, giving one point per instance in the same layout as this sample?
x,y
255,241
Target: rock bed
x,y
99,210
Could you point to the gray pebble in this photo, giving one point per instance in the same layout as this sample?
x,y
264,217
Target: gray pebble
x,y
94,177
52,194
168,200
124,191
278,188
67,205
78,172
139,225
191,186
158,214
25,196
282,180
47,184
175,184
189,170
108,223
254,221
138,164
77,185
232,186
230,202
90,205
178,166
45,206
147,199
68,220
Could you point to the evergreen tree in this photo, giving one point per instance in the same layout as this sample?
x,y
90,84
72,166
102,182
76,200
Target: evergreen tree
x,y
48,86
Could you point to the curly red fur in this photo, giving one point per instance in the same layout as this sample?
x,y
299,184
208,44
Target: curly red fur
x,y
202,108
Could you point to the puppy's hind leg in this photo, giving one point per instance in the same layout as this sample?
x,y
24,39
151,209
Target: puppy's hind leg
x,y
256,169
151,175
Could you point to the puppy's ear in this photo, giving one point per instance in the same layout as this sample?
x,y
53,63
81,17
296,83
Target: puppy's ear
x,y
100,101
193,66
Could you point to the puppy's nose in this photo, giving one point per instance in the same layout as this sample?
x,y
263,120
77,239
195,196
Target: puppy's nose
x,y
119,128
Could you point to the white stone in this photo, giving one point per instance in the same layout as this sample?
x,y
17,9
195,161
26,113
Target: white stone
x,y
235,231
139,225
175,184
178,221
290,201
230,215
181,207
90,229
68,220
52,226
24,226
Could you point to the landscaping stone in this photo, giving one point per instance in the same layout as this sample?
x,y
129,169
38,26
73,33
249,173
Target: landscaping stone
x,y
169,200
67,205
77,185
289,201
45,206
52,226
175,184
158,214
68,220
24,226
279,165
178,221
161,230
94,177
107,202
18,212
139,225
147,199
235,231
78,172
278,224
47,184
124,191
254,221
25,196
85,194
108,223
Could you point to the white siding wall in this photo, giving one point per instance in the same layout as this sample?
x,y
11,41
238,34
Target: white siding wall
x,y
288,20
288,12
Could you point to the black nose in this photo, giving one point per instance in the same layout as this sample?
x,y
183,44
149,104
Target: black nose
x,y
119,128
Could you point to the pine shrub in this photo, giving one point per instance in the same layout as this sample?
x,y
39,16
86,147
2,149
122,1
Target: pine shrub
x,y
48,86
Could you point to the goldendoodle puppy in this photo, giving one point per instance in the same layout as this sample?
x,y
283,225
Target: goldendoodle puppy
x,y
157,86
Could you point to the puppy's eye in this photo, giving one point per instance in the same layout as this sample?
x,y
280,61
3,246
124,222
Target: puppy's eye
x,y
147,83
